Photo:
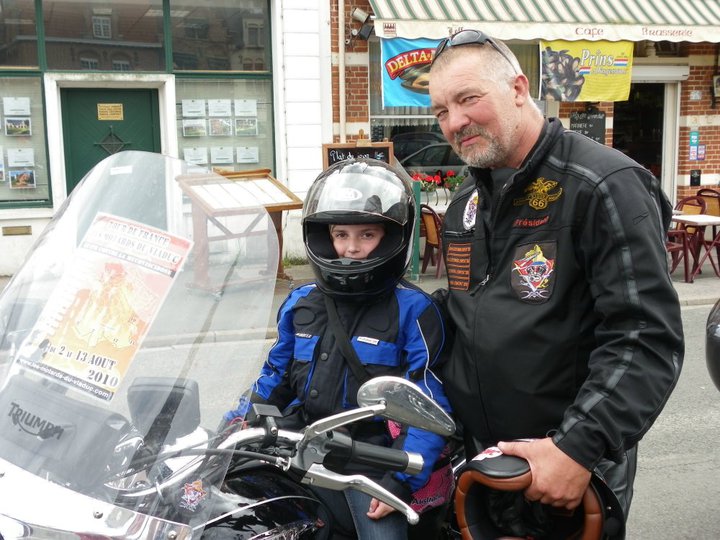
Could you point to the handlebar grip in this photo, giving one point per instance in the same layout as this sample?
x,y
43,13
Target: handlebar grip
x,y
343,449
385,458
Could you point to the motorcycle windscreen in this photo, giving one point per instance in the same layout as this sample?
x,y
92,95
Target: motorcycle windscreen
x,y
138,318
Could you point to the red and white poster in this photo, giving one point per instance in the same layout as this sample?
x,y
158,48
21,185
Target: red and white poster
x,y
93,324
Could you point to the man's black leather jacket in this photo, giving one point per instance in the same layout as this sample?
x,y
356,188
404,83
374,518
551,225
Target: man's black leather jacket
x,y
565,317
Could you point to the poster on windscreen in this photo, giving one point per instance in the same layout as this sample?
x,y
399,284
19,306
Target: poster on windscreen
x,y
94,322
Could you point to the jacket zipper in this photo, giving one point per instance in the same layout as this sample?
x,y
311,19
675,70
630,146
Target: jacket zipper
x,y
488,233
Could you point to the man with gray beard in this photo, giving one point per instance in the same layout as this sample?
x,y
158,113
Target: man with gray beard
x,y
567,326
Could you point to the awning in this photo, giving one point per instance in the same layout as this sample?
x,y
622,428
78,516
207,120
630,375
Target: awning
x,y
611,20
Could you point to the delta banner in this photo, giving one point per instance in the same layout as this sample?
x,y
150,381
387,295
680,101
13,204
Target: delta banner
x,y
586,70
406,71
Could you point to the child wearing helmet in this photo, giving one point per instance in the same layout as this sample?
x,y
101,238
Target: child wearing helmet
x,y
358,224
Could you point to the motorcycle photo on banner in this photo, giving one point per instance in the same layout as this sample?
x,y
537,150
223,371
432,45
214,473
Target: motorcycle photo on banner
x,y
124,338
586,70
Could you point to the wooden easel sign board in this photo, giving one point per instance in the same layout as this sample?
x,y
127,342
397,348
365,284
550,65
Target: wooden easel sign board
x,y
254,185
335,152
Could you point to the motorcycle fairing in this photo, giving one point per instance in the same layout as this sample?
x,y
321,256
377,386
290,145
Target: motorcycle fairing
x,y
128,463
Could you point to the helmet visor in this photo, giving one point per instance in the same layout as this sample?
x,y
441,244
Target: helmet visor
x,y
357,192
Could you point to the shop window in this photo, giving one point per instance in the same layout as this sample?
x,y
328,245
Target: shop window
x,y
88,63
225,124
255,35
130,27
121,65
222,33
195,29
18,38
23,153
101,27
667,48
184,61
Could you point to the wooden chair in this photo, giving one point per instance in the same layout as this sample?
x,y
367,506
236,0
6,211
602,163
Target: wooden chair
x,y
712,200
433,241
681,241
691,205
678,246
712,207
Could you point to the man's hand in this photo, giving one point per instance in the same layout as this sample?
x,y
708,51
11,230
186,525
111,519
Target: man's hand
x,y
379,509
557,479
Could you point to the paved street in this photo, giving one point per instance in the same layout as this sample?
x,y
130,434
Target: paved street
x,y
677,490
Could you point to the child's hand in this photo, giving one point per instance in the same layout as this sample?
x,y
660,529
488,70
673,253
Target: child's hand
x,y
379,509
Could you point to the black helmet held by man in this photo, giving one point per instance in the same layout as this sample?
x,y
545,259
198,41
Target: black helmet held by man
x,y
490,503
358,191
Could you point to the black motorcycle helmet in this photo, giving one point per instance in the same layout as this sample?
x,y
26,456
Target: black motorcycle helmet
x,y
358,191
490,504
712,344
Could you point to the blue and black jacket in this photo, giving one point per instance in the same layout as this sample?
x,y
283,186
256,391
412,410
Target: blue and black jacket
x,y
307,378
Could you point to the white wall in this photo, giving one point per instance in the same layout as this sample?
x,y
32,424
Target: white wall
x,y
302,73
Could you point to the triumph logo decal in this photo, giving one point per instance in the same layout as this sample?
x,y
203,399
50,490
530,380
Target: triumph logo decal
x,y
539,194
533,272
33,424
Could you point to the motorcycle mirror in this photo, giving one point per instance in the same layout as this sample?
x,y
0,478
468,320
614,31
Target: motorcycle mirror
x,y
406,404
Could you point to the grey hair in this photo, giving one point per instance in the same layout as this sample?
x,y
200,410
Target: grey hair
x,y
494,66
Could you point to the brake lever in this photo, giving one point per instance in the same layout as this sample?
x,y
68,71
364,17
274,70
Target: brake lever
x,y
319,476
337,420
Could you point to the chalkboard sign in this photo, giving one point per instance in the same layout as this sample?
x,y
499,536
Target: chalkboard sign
x,y
333,153
590,124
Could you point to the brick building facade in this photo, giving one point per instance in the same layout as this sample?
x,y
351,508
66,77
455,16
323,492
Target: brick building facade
x,y
691,106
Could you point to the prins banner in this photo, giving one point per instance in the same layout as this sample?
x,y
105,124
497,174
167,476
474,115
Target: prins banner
x,y
586,70
406,71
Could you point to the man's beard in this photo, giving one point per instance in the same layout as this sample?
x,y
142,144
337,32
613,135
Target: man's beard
x,y
493,155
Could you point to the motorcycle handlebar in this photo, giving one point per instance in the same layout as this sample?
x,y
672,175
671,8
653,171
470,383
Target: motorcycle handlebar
x,y
343,449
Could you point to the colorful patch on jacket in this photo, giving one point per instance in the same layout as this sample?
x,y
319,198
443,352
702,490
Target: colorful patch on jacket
x,y
540,194
533,272
457,263
470,212
193,494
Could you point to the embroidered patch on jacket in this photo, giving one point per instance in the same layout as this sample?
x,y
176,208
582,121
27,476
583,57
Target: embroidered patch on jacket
x,y
300,335
533,273
371,341
470,212
530,223
539,194
457,262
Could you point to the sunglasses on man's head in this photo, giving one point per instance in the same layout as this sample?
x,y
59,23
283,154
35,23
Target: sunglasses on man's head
x,y
468,37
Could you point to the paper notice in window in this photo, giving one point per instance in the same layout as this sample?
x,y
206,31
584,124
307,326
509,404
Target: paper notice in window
x,y
248,154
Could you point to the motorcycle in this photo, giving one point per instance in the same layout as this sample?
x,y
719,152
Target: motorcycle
x,y
137,318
